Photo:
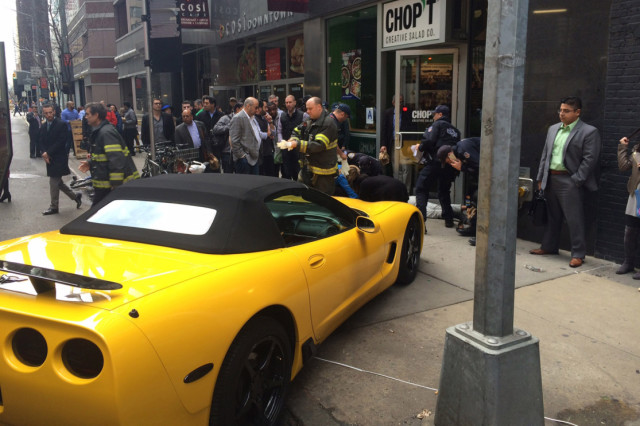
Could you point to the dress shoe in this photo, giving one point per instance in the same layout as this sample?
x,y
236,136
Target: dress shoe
x,y
466,231
49,211
6,196
79,199
448,223
576,262
472,241
626,267
540,251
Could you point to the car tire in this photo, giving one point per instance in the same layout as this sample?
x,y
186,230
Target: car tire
x,y
254,378
410,252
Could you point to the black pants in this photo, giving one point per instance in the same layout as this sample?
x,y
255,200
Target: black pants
x,y
290,165
444,175
34,151
267,168
129,137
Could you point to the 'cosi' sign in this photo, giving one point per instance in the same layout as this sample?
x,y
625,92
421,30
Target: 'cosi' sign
x,y
412,21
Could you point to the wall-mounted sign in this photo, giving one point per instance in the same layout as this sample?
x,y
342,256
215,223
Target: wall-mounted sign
x,y
413,21
194,14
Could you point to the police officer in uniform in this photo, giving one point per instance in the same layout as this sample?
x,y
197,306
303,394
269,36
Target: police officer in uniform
x,y
441,132
317,139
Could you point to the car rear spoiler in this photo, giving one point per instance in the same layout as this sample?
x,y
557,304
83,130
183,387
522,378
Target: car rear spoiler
x,y
44,279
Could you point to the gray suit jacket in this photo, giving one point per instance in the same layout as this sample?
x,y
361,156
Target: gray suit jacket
x,y
580,156
243,139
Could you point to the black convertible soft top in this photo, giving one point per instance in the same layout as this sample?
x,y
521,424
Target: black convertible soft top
x,y
242,223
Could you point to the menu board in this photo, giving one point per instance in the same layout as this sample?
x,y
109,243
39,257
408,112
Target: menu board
x,y
351,74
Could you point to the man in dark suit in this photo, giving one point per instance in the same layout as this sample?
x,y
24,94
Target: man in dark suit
x,y
209,116
567,166
52,141
163,127
34,131
289,120
192,134
245,135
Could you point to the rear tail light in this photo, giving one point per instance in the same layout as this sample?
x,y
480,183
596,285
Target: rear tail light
x,y
29,347
82,358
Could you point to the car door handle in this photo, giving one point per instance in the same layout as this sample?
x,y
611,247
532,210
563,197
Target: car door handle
x,y
316,261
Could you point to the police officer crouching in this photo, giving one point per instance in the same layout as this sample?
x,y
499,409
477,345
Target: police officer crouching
x,y
317,138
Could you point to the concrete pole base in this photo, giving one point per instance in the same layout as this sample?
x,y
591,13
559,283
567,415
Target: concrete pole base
x,y
488,380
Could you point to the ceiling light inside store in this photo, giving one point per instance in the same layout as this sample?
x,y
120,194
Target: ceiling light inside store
x,y
542,11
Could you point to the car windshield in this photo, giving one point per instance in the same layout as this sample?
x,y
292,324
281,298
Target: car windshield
x,y
156,215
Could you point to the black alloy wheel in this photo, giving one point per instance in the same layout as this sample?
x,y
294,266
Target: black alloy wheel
x,y
410,252
254,379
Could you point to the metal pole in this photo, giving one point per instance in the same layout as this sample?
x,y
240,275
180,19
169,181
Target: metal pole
x,y
500,159
65,70
147,64
491,371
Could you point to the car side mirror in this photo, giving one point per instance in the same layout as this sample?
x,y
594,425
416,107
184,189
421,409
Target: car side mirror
x,y
365,224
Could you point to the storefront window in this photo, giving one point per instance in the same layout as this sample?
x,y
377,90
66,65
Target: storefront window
x,y
247,69
296,90
352,70
296,56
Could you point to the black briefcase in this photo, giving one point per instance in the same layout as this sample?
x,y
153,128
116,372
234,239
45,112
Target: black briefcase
x,y
538,210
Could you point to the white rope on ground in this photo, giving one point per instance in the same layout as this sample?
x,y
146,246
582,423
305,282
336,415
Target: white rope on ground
x,y
411,383
376,374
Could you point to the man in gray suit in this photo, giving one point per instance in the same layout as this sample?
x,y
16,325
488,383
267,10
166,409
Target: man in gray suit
x,y
245,136
567,166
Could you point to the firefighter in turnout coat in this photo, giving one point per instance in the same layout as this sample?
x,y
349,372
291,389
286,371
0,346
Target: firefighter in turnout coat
x,y
317,138
111,164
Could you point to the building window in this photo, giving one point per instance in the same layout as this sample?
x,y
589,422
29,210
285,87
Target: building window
x,y
351,69
135,14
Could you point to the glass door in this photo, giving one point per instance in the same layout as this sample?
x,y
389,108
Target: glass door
x,y
424,80
222,95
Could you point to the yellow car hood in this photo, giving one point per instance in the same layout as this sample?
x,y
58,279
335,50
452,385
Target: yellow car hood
x,y
141,269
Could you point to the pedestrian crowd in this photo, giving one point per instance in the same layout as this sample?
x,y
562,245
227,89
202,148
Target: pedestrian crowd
x,y
308,141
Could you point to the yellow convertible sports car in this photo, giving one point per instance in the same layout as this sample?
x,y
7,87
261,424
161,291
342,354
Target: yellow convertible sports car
x,y
189,299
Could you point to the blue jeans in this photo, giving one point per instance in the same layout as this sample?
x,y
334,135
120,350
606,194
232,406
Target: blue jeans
x,y
244,168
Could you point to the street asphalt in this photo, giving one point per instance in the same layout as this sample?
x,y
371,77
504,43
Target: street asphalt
x,y
382,367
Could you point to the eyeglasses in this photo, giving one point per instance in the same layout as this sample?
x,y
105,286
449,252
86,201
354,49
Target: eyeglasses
x,y
157,103
566,111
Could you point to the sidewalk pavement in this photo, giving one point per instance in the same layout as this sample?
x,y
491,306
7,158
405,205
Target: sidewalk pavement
x,y
383,365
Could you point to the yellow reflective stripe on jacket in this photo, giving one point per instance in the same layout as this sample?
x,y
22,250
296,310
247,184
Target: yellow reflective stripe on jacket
x,y
303,146
99,157
101,183
112,148
135,175
116,176
325,140
319,171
